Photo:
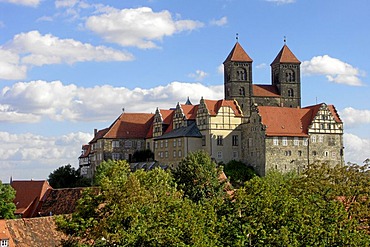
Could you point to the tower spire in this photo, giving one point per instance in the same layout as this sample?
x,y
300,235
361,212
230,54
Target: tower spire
x,y
284,40
237,37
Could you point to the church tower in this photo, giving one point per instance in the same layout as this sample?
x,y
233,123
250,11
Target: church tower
x,y
238,78
286,76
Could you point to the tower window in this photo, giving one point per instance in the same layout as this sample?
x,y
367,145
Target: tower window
x,y
241,74
290,76
242,91
290,92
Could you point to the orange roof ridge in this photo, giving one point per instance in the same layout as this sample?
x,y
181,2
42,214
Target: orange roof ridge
x,y
286,56
238,54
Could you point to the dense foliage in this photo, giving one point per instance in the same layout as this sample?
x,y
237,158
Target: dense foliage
x,y
238,172
67,177
322,207
7,207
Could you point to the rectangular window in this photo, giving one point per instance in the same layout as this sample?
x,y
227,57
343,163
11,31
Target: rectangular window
x,y
161,143
250,142
220,140
115,144
235,154
313,139
166,143
203,140
128,144
166,154
180,153
285,141
321,138
179,142
219,155
148,145
235,140
174,153
276,141
296,141
156,145
138,145
115,156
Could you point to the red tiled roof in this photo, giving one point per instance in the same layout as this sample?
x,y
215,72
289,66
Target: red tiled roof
x,y
214,106
167,115
190,111
265,91
335,113
28,196
238,54
284,121
285,56
99,135
130,125
316,108
86,151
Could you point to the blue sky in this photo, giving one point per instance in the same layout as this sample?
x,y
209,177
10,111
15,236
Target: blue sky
x,y
69,66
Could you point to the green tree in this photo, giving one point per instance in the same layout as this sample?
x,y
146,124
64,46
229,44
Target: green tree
x,y
7,207
67,177
238,172
139,209
199,177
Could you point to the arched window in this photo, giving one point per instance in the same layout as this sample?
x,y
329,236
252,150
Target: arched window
x,y
290,92
241,74
242,91
290,76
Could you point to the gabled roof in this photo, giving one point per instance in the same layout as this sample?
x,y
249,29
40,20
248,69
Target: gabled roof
x,y
214,106
190,111
286,56
40,231
61,201
28,196
167,115
86,151
130,125
99,134
238,54
333,111
187,131
285,121
265,91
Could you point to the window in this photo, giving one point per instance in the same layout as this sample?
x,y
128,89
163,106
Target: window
x,y
138,145
166,143
333,154
179,142
156,145
250,142
288,153
235,140
174,143
305,142
276,141
219,155
290,92
115,156
148,145
4,243
285,141
180,153
323,126
299,153
174,153
235,154
296,141
203,140
220,140
161,143
321,138
128,144
115,144
166,154
242,91
313,139
314,153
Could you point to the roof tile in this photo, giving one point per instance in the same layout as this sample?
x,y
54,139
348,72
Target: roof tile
x,y
238,54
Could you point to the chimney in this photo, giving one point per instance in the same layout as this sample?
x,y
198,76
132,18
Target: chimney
x,y
95,132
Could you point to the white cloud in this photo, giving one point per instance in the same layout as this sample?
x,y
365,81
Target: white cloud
x,y
220,22
357,150
261,66
29,155
199,75
220,69
139,27
334,69
352,117
281,1
36,99
34,49
31,3
10,67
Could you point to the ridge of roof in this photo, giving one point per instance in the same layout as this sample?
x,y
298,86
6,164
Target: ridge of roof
x,y
286,56
238,54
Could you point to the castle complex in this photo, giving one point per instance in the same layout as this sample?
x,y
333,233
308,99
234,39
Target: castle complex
x,y
261,125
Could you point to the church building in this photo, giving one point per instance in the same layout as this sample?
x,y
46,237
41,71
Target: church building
x,y
261,125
